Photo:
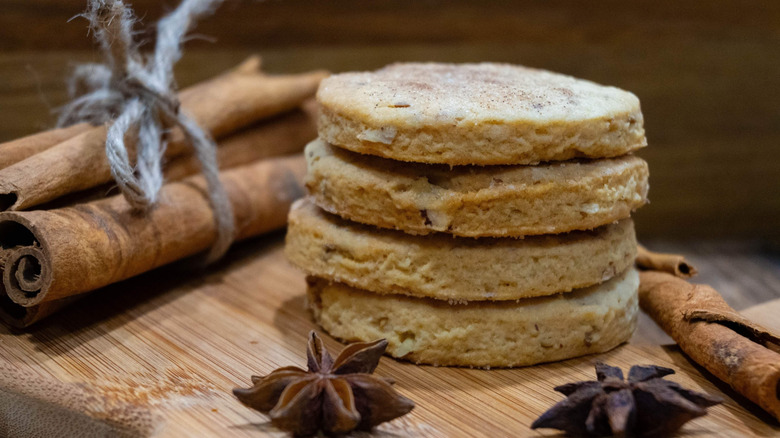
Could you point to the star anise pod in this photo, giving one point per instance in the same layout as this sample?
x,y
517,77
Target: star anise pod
x,y
333,396
644,405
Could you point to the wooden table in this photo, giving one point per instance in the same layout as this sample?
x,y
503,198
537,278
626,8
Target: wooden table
x,y
167,347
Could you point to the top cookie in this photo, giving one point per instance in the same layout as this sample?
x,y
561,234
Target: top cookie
x,y
477,114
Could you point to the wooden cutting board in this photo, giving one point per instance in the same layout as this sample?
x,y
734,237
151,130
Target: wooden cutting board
x,y
164,351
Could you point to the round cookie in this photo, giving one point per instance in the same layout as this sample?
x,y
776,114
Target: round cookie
x,y
482,334
477,114
450,268
475,201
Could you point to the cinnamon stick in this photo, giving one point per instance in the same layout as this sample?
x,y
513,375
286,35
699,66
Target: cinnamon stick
x,y
220,106
283,135
245,95
735,350
672,263
20,317
54,254
14,151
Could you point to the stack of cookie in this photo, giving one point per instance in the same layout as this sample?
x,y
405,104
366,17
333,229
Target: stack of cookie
x,y
474,214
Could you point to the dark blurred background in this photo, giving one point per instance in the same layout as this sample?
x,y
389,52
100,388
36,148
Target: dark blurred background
x,y
707,73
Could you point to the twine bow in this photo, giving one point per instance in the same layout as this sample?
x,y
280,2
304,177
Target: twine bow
x,y
135,94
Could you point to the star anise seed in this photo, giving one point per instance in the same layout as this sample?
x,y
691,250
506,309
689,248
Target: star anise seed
x,y
643,405
333,396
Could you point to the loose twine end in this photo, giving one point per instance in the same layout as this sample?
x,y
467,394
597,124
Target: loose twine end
x,y
136,97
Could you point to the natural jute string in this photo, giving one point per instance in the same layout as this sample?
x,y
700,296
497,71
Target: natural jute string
x,y
135,95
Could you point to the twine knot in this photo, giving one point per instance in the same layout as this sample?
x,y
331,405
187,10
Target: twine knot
x,y
135,95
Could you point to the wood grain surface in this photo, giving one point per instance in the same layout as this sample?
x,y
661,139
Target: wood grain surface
x,y
707,73
177,343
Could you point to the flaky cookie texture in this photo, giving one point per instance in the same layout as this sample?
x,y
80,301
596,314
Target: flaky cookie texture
x,y
451,268
475,201
477,114
482,334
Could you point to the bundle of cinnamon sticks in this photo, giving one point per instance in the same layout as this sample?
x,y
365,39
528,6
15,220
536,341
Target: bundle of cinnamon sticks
x,y
61,236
